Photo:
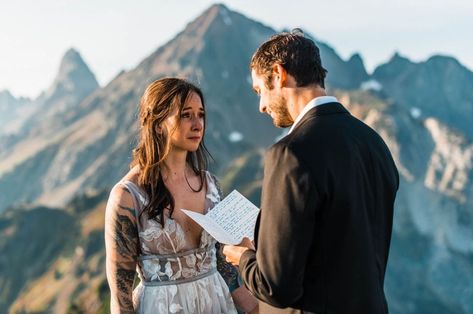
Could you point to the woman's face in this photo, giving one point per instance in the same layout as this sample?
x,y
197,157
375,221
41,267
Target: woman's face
x,y
186,129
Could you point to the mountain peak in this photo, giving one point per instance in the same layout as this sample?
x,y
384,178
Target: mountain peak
x,y
396,64
216,7
5,94
357,67
398,58
218,15
6,98
73,64
72,54
444,61
74,76
206,41
356,57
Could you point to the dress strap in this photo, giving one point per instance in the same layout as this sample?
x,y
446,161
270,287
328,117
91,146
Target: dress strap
x,y
138,196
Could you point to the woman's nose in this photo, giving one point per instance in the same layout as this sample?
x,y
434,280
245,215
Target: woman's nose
x,y
197,123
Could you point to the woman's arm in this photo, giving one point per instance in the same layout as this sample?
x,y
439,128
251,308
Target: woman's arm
x,y
245,301
122,247
242,298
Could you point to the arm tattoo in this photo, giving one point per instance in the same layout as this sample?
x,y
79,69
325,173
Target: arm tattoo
x,y
126,243
126,236
125,279
128,209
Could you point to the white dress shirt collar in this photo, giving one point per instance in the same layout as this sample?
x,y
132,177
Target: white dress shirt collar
x,y
312,104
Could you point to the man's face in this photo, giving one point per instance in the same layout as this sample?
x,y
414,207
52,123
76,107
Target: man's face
x,y
271,101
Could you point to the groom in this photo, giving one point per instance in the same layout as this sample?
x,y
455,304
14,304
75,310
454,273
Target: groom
x,y
322,237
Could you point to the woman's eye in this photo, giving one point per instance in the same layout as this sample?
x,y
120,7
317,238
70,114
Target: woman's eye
x,y
201,115
185,115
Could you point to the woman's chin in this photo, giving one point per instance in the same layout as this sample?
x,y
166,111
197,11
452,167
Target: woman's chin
x,y
192,149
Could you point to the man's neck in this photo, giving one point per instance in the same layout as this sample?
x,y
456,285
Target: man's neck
x,y
299,97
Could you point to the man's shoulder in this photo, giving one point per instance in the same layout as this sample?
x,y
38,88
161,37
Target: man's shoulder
x,y
281,145
287,148
296,141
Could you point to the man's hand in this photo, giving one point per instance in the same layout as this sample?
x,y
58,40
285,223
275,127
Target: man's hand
x,y
233,252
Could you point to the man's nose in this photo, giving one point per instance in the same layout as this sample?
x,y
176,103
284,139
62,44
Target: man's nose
x,y
262,107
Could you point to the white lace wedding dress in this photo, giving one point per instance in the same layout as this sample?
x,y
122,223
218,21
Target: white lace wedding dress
x,y
173,279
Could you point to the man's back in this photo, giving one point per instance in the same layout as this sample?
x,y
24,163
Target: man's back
x,y
346,218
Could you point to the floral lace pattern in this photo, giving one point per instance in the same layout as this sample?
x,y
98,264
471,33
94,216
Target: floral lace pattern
x,y
166,259
161,268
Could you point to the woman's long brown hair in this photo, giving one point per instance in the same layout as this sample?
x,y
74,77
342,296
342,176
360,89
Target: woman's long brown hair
x,y
159,100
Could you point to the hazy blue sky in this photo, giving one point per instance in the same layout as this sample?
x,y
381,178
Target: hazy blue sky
x,y
118,34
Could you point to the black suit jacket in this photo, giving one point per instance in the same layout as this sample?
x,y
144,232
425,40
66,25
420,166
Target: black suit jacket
x,y
323,234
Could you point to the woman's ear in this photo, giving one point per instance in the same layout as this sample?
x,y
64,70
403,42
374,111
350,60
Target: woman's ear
x,y
165,128
159,129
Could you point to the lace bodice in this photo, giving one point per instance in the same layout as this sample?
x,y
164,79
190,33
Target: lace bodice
x,y
176,277
165,254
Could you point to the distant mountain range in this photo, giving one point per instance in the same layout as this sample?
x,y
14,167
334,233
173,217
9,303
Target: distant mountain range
x,y
65,150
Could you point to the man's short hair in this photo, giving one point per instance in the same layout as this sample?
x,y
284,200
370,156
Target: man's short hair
x,y
298,55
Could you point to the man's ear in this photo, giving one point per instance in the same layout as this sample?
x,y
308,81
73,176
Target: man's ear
x,y
279,75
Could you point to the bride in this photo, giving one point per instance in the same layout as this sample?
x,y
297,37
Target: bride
x,y
180,267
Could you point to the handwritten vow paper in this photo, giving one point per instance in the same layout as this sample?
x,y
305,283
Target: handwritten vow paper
x,y
230,220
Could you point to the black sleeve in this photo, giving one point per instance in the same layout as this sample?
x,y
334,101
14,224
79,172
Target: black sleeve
x,y
275,272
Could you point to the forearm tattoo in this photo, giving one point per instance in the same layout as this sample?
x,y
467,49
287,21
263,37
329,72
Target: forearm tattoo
x,y
125,279
126,243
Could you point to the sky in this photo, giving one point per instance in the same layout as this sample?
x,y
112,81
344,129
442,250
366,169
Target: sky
x,y
116,35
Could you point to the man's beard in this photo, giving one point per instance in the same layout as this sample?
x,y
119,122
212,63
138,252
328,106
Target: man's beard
x,y
281,116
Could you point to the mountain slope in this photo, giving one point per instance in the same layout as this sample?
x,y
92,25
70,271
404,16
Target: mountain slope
x,y
60,265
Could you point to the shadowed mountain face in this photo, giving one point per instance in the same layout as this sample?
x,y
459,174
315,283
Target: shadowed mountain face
x,y
347,75
80,137
439,87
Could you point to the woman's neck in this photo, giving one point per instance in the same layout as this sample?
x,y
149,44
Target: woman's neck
x,y
175,165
